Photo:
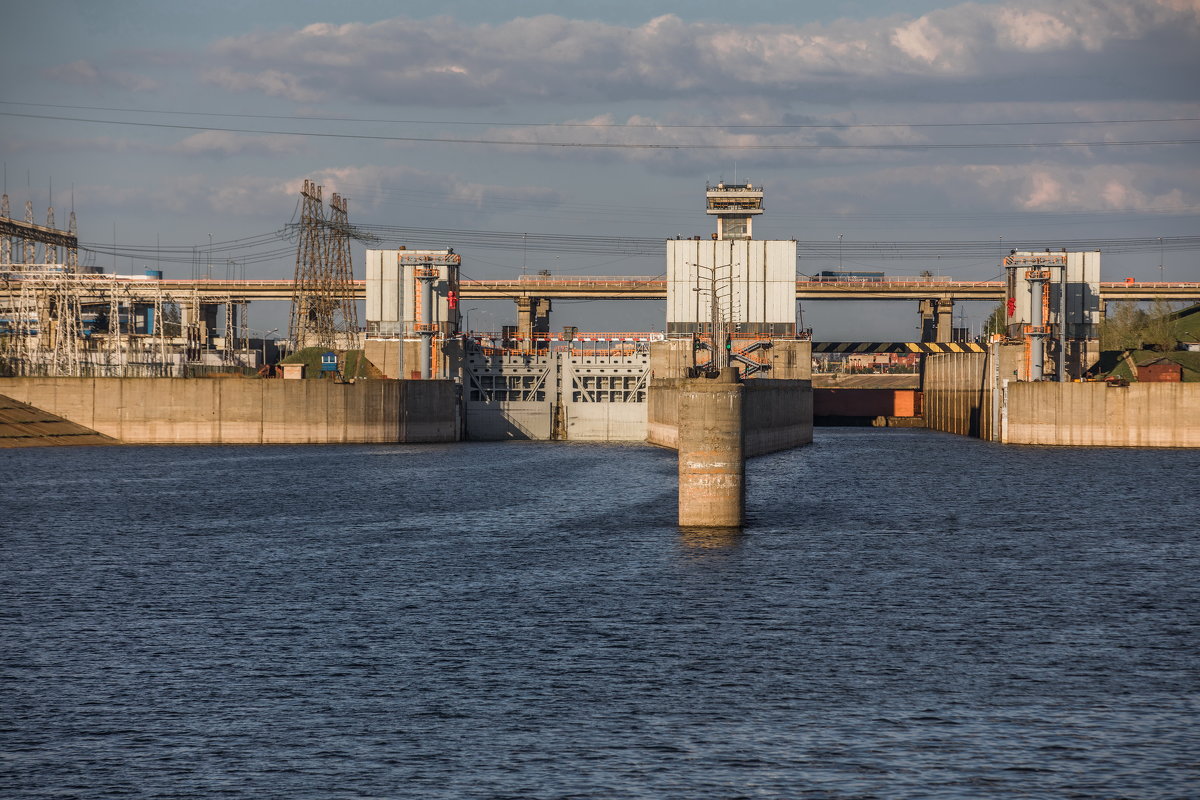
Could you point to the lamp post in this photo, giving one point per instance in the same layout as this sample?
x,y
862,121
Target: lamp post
x,y
262,343
467,317
839,252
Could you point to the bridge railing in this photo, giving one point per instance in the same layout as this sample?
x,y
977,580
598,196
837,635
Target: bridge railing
x,y
619,343
580,280
1150,285
902,281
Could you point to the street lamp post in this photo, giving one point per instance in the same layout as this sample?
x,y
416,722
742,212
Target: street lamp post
x,y
262,343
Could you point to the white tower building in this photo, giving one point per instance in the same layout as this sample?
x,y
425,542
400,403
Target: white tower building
x,y
753,282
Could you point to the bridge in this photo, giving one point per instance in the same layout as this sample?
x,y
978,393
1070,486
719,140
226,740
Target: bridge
x,y
609,288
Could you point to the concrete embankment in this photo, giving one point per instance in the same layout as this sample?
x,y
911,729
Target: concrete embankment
x,y
776,414
965,393
1100,415
234,411
957,394
23,425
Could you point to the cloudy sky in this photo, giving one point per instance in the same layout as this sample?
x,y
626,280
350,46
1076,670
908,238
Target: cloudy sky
x,y
874,120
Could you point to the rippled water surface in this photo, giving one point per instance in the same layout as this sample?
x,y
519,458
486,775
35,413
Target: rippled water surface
x,y
908,614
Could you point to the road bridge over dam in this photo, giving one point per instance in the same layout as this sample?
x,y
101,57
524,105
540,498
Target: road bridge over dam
x,y
607,288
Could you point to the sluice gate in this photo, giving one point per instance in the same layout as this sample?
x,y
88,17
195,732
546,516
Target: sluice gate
x,y
561,393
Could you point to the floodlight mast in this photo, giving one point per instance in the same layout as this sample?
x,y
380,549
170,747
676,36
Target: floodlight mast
x,y
717,326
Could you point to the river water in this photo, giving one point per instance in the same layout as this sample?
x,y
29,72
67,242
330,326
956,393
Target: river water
x,y
907,615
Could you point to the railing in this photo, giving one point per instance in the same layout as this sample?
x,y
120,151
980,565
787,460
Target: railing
x,y
1033,259
1149,284
18,272
583,281
603,344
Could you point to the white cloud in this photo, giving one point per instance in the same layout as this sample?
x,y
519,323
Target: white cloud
x,y
369,188
1034,187
273,82
1056,188
84,73
442,61
77,72
202,143
102,144
376,187
224,143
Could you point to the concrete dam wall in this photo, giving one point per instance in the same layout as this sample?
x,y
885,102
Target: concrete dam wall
x,y
965,393
958,395
776,414
233,411
1099,415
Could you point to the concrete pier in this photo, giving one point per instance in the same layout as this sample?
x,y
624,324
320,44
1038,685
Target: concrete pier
x,y
712,464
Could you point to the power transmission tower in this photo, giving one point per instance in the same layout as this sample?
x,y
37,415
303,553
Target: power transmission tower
x,y
67,329
29,248
49,250
338,248
6,240
324,312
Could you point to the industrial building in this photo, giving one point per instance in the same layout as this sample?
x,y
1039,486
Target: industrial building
x,y
729,299
1053,307
731,282
60,318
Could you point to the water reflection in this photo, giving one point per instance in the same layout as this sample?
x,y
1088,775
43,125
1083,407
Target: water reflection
x,y
711,538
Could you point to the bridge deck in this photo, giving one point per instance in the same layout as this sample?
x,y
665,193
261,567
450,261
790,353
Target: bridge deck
x,y
615,288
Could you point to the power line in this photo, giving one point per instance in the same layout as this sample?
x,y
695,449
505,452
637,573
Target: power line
x,y
265,247
618,145
500,124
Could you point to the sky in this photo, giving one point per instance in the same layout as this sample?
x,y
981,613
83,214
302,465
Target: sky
x,y
867,121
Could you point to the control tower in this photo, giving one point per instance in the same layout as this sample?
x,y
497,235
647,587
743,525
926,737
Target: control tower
x,y
734,205
731,282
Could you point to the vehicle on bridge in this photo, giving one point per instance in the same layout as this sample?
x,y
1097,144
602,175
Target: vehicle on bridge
x,y
837,275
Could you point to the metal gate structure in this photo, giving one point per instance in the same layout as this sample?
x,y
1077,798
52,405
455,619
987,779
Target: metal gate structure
x,y
574,391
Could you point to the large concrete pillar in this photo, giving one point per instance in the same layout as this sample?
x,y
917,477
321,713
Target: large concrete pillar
x,y
208,320
533,317
945,320
712,464
926,308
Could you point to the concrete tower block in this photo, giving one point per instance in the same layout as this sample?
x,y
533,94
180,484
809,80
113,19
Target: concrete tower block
x,y
712,464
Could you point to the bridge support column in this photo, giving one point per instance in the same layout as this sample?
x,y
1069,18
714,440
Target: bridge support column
x,y
712,464
533,317
203,316
945,320
937,319
927,310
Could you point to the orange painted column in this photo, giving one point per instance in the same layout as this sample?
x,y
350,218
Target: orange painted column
x,y
712,464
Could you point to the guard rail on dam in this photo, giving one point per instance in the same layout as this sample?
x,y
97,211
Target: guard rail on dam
x,y
248,411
